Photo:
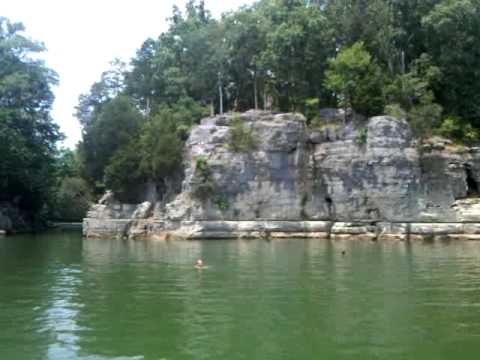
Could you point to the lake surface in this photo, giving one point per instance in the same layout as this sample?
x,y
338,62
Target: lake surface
x,y
62,297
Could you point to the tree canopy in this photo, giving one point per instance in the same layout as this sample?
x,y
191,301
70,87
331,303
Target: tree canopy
x,y
415,59
28,135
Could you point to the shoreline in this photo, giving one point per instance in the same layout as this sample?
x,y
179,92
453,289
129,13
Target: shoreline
x,y
278,229
65,225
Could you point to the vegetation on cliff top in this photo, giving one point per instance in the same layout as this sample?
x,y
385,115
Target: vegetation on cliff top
x,y
416,59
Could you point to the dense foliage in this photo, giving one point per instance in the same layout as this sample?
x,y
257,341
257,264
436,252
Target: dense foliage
x,y
417,60
28,135
73,195
412,59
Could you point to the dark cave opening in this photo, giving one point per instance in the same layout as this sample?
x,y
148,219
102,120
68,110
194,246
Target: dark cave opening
x,y
329,202
472,185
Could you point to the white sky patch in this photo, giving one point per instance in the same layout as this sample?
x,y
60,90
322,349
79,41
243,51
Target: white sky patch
x,y
83,36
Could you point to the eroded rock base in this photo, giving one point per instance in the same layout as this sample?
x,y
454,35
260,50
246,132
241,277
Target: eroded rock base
x,y
195,230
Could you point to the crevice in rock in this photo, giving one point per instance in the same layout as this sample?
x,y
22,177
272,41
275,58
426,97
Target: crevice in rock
x,y
303,203
329,202
327,135
373,213
472,185
126,231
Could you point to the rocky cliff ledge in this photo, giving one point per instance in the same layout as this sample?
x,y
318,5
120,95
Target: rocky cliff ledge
x,y
367,178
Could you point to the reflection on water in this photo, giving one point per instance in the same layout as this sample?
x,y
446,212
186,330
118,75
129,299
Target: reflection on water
x,y
65,298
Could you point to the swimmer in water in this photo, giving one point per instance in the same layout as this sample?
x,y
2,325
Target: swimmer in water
x,y
199,264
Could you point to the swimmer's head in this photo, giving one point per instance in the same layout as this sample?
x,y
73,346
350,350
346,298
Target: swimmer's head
x,y
199,262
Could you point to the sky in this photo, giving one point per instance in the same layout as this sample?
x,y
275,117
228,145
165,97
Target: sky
x,y
83,36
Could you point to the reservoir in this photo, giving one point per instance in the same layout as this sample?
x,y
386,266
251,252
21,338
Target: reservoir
x,y
64,297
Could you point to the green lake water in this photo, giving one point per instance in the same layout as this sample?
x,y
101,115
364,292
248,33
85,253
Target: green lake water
x,y
62,297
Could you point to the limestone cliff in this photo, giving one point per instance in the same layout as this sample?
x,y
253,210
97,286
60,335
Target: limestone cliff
x,y
368,177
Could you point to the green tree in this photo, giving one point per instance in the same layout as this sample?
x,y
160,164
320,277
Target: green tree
x,y
453,28
67,163
411,36
110,128
295,57
111,84
182,62
28,135
459,130
245,37
122,174
73,200
161,146
155,153
413,92
356,80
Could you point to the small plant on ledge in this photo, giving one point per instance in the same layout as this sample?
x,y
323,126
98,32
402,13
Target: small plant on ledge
x,y
202,184
242,139
222,203
361,138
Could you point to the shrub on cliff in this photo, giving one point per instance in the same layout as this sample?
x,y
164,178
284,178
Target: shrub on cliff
x,y
241,137
461,131
362,137
412,93
202,182
424,118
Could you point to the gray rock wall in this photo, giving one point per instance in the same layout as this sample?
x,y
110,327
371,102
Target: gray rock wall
x,y
374,178
362,171
263,183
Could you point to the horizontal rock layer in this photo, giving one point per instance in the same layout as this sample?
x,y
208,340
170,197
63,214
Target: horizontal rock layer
x,y
191,230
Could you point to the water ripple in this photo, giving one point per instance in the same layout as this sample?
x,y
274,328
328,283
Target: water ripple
x,y
291,299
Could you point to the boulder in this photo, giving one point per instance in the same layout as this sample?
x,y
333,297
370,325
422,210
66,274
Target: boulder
x,y
143,210
107,198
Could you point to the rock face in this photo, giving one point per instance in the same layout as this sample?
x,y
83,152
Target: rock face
x,y
12,219
369,173
266,182
359,176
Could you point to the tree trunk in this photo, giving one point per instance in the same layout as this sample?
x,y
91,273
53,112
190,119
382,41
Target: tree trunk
x,y
220,91
147,110
255,90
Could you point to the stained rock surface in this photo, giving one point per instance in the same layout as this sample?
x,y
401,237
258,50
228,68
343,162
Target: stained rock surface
x,y
359,176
